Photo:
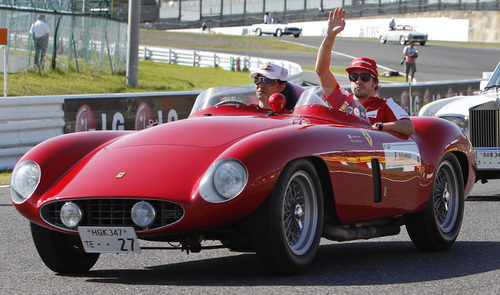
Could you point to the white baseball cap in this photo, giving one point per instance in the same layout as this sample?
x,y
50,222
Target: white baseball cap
x,y
271,71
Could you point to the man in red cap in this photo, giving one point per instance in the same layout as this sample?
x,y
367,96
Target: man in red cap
x,y
383,114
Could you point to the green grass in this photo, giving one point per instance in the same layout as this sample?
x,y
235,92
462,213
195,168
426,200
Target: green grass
x,y
153,77
5,177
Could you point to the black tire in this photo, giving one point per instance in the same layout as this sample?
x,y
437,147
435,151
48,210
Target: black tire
x,y
278,33
296,35
62,253
259,32
422,43
437,227
286,228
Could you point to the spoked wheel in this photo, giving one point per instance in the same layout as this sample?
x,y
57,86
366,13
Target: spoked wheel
x,y
62,253
286,229
437,227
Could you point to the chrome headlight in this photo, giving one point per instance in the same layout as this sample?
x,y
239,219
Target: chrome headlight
x,y
223,181
457,120
24,181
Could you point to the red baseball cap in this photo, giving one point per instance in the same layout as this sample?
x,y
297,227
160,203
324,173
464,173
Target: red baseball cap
x,y
363,63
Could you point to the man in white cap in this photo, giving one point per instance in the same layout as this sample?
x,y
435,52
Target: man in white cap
x,y
363,75
271,78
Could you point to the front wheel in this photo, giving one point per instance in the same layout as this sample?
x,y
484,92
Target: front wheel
x,y
437,227
278,33
258,32
62,253
286,228
402,40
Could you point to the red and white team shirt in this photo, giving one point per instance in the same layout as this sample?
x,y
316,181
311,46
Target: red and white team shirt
x,y
377,109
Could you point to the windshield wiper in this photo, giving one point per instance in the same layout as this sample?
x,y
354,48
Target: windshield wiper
x,y
491,86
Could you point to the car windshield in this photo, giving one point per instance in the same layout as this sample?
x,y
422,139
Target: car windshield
x,y
225,95
311,104
494,81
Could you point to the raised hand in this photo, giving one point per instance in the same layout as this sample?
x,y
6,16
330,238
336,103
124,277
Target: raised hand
x,y
336,21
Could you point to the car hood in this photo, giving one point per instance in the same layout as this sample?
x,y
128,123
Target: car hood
x,y
458,105
166,161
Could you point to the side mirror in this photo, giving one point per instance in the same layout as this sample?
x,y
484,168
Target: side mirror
x,y
277,102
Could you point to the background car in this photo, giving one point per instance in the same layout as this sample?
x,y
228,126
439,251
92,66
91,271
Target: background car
x,y
253,179
479,118
276,30
403,34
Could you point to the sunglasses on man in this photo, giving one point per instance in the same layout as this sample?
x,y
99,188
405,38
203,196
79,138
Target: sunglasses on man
x,y
365,77
267,81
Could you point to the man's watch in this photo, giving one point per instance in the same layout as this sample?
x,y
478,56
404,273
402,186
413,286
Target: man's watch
x,y
379,125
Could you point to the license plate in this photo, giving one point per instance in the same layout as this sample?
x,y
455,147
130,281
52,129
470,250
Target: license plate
x,y
488,159
100,239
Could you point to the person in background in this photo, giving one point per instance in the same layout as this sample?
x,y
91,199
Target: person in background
x,y
267,18
272,78
392,24
40,33
410,53
363,75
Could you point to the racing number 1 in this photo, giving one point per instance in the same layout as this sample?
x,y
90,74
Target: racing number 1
x,y
124,244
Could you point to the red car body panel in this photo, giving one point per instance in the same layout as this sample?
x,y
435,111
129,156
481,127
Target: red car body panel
x,y
168,161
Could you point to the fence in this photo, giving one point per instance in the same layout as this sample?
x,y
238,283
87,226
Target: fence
x,y
228,62
93,43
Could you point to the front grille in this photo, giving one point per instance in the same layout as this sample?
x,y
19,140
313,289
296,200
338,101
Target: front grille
x,y
112,212
484,126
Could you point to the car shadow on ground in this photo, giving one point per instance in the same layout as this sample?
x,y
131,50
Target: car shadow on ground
x,y
343,264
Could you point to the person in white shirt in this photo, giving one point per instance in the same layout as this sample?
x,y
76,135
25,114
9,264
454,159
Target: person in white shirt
x,y
40,32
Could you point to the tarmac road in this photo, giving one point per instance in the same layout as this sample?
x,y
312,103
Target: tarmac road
x,y
435,62
389,265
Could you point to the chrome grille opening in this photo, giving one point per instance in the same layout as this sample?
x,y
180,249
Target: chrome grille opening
x,y
112,212
484,124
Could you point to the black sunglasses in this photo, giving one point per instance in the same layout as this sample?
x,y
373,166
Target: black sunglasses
x,y
267,81
365,77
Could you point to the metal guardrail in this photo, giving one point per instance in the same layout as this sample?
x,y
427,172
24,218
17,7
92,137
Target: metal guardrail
x,y
25,122
229,62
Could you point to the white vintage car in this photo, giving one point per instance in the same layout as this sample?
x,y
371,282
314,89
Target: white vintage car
x,y
403,34
479,118
277,30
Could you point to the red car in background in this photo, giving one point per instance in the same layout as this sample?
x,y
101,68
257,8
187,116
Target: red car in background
x,y
250,178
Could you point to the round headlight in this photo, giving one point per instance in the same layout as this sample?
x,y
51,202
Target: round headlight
x,y
223,181
230,178
71,214
459,121
143,214
24,181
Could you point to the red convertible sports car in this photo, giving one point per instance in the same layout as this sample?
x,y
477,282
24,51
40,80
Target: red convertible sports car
x,y
245,178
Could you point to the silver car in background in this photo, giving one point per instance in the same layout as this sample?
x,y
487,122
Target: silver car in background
x,y
479,118
403,34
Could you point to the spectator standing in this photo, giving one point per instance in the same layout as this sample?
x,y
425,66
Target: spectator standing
x,y
392,24
267,18
40,33
410,53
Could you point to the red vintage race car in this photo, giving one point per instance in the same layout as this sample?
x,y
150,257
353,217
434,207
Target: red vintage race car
x,y
254,179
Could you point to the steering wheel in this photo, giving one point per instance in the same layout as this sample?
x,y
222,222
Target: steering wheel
x,y
236,102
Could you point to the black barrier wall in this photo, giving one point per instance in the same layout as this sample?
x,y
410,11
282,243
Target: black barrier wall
x,y
136,111
125,111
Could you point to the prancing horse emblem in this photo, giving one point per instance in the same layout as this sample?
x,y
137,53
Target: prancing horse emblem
x,y
120,175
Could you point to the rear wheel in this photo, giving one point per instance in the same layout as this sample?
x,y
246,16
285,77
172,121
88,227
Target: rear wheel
x,y
437,227
286,229
402,40
383,40
62,253
422,43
